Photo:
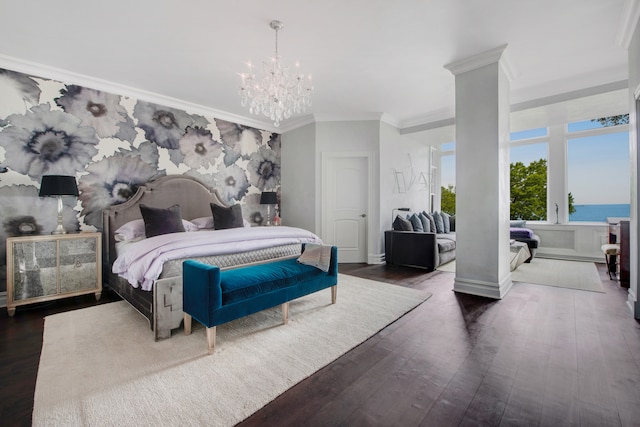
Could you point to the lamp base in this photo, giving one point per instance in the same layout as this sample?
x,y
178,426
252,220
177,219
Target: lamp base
x,y
59,230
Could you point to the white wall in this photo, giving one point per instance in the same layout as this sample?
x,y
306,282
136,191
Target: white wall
x,y
634,92
404,175
298,178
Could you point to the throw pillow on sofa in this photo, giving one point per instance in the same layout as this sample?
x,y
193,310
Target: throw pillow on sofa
x,y
426,224
415,223
432,221
445,222
401,224
439,223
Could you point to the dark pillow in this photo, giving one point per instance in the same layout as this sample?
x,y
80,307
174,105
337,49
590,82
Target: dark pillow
x,y
426,224
452,223
445,222
416,223
432,221
223,218
439,223
159,221
401,224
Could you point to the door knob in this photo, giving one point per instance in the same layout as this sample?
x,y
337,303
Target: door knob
x,y
363,215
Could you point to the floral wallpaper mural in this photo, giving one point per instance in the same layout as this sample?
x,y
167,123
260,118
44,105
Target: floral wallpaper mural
x,y
113,144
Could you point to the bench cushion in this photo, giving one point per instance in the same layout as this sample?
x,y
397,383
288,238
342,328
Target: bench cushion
x,y
243,283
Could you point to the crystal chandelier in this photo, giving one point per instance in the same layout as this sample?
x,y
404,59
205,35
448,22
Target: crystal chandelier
x,y
276,95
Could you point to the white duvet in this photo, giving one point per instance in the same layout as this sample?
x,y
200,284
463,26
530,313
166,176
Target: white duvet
x,y
142,262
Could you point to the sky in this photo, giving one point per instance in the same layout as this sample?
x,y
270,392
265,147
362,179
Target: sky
x,y
598,166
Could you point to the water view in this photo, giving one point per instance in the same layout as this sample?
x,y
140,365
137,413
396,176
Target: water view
x,y
600,213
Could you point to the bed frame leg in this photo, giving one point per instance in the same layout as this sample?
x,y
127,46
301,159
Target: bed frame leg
x,y
285,313
334,294
211,339
187,324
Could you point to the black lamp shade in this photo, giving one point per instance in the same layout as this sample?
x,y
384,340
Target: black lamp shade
x,y
268,198
58,185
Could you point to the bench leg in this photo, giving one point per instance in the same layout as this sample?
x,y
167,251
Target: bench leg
x,y
187,324
211,339
285,313
334,294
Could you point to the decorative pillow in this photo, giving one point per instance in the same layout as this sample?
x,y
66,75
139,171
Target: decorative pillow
x,y
401,224
452,224
415,223
159,221
518,223
445,222
224,218
426,224
135,230
432,221
439,223
203,222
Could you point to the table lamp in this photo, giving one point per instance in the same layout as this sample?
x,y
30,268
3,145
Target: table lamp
x,y
58,186
269,198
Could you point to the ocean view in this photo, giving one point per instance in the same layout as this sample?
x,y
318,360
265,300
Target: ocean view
x,y
599,212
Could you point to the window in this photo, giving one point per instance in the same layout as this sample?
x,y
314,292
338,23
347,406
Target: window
x,y
598,170
448,178
528,174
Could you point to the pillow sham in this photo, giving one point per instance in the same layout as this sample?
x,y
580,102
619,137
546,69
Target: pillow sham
x,y
445,222
203,222
135,229
224,218
432,221
159,221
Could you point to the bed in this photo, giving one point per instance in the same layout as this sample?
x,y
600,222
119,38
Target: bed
x,y
161,304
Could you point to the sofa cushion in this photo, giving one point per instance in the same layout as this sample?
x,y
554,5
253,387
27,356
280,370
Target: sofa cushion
x,y
401,224
517,223
446,245
416,223
243,283
426,224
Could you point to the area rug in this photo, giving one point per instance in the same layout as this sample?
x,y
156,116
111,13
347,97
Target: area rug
x,y
101,366
553,272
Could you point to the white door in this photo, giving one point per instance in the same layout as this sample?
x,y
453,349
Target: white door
x,y
346,198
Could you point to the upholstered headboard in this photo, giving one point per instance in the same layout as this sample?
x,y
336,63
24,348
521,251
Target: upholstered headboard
x,y
192,195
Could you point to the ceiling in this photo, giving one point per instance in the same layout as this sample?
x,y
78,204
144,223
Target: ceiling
x,y
366,57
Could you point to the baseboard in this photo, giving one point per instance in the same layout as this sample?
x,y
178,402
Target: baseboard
x,y
482,288
3,299
376,259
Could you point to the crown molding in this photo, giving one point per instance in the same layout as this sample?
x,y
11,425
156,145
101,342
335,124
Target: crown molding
x,y
481,59
628,23
66,76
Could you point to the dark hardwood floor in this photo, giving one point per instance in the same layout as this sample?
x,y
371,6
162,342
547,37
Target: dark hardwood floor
x,y
541,356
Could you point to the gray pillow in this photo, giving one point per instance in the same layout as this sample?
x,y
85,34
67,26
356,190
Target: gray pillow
x,y
439,223
445,222
401,224
415,223
224,218
432,221
518,223
426,224
159,221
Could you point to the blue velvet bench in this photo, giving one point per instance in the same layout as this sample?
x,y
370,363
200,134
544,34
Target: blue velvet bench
x,y
213,296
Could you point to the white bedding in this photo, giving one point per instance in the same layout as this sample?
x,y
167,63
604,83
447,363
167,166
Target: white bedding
x,y
142,262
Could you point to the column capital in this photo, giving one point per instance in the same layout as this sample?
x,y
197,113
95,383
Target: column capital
x,y
495,55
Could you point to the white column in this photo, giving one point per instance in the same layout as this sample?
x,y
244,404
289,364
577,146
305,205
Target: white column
x,y
482,175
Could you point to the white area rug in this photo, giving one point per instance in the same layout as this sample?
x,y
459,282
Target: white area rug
x,y
553,272
100,365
